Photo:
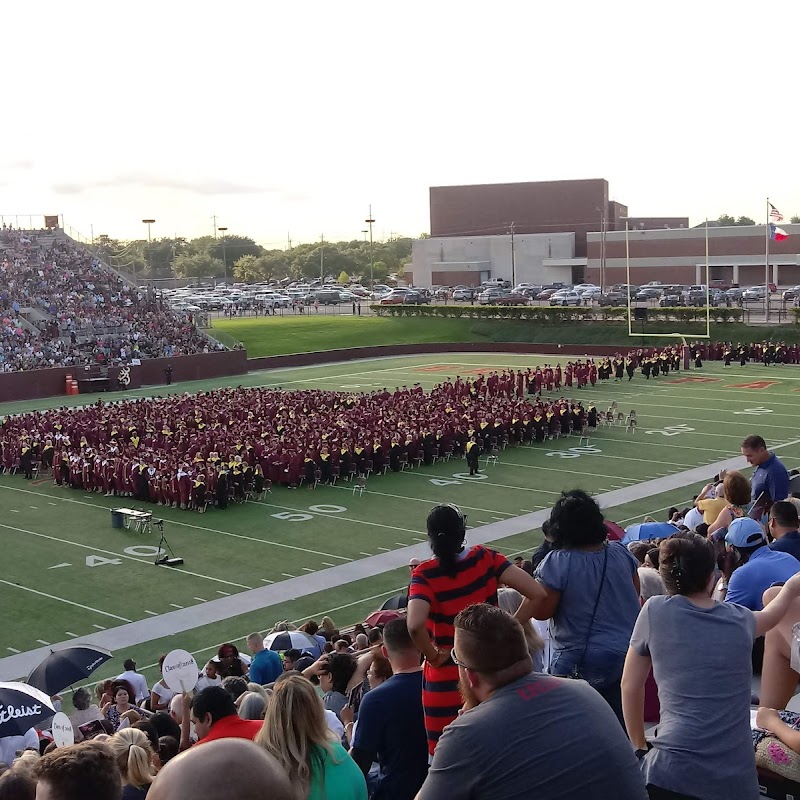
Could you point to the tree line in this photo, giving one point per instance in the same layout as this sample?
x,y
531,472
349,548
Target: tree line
x,y
242,259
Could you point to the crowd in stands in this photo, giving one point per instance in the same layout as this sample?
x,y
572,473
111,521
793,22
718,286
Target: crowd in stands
x,y
456,697
232,444
82,312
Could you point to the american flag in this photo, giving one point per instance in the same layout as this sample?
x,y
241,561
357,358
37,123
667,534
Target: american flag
x,y
774,214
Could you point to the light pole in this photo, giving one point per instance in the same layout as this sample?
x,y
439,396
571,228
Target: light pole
x,y
222,230
370,221
147,222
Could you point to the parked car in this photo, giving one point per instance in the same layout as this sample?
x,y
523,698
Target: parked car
x,y
613,299
566,297
673,296
415,298
394,297
464,294
548,291
625,287
754,293
792,293
587,295
499,282
325,297
490,296
734,293
648,293
512,299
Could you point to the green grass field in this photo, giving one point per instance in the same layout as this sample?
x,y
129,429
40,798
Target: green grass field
x,y
67,574
270,336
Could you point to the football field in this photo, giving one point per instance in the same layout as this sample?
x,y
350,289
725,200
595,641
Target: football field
x,y
67,575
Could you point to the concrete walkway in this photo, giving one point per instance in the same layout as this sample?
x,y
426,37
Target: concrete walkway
x,y
174,622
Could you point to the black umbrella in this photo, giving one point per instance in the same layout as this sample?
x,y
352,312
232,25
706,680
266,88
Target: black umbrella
x,y
22,707
288,640
396,602
64,667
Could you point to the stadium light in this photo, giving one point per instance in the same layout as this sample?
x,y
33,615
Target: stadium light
x,y
147,222
222,230
370,222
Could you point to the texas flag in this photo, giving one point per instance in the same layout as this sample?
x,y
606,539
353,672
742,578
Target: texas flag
x,y
777,234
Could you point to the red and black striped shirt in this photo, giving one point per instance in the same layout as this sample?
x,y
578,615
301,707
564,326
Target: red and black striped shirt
x,y
476,581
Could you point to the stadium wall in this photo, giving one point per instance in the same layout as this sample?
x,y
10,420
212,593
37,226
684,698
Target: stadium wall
x,y
39,383
383,351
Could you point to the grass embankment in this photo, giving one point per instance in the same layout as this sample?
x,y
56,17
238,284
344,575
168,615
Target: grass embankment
x,y
270,336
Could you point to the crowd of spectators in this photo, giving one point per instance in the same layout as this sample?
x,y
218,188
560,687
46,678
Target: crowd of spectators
x,y
455,697
83,313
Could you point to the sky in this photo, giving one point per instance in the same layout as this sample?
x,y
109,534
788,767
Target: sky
x,y
288,119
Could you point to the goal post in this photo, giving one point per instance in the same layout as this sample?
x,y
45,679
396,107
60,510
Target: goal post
x,y
675,334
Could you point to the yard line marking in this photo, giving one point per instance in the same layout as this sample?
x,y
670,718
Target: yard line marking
x,y
13,649
385,549
365,554
35,508
62,600
151,613
326,563
267,580
57,566
52,504
195,527
70,633
116,555
287,575
99,627
402,544
13,510
427,475
418,539
421,500
308,569
175,605
227,594
498,519
42,641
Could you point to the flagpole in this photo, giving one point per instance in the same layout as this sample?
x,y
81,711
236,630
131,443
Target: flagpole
x,y
766,267
628,276
708,290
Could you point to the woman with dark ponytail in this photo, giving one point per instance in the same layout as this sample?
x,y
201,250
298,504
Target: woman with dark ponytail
x,y
700,654
456,577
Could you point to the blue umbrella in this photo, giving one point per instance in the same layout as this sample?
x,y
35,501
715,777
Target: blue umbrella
x,y
644,531
22,707
65,667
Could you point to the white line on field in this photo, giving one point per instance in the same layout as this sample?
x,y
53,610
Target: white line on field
x,y
267,580
151,613
62,600
35,508
287,575
308,569
99,627
13,510
499,519
13,649
365,554
385,549
328,564
111,552
42,641
226,594
175,605
52,504
195,527
418,538
70,633
201,599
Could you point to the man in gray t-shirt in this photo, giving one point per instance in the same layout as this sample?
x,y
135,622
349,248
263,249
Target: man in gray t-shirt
x,y
530,735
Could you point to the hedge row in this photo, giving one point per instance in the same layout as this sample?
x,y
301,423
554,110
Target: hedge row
x,y
558,314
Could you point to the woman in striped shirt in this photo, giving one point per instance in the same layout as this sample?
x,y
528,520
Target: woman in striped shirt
x,y
456,577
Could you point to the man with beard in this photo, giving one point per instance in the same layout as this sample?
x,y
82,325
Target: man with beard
x,y
510,742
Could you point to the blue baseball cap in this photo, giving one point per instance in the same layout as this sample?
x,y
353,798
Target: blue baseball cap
x,y
744,532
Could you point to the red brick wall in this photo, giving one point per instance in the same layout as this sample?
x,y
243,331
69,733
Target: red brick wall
x,y
52,382
455,278
648,246
544,207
